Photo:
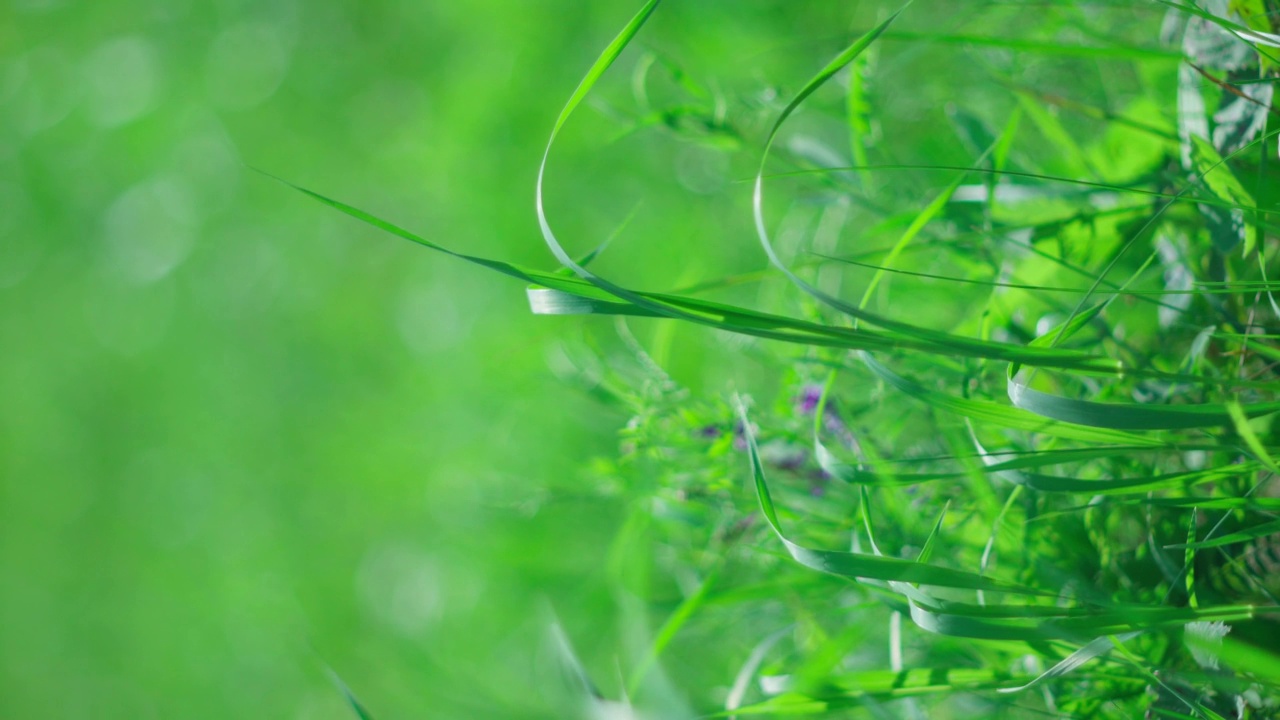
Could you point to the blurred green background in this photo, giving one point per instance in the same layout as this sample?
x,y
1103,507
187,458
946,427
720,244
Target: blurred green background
x,y
237,425
242,436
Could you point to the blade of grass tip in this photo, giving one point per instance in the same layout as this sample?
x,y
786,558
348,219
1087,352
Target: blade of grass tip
x,y
927,550
1262,268
858,111
1063,330
742,680
597,70
349,696
569,662
593,299
924,218
857,565
989,549
586,260
1240,420
907,590
663,306
565,295
677,620
1093,649
1025,623
1004,144
840,61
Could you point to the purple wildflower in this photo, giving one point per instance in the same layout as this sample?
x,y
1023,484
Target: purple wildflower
x,y
810,396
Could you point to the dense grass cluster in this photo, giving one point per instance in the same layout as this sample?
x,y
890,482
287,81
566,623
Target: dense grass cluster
x,y
1021,462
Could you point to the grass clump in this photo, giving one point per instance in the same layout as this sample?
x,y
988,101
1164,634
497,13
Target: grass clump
x,y
1021,461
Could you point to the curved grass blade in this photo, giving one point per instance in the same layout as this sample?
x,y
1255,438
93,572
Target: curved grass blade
x,y
603,296
1240,419
1034,481
1020,624
1216,200
858,688
1200,288
949,343
749,669
597,70
558,294
859,565
1010,417
1127,416
1095,648
1062,331
923,339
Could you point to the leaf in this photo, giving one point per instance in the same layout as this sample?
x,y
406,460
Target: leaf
x,y
859,565
1003,415
1094,649
1062,331
1227,227
1121,416
1253,533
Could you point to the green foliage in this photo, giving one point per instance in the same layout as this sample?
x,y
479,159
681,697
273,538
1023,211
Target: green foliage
x,y
985,429
1150,436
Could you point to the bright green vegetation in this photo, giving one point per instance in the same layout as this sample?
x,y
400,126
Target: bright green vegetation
x,y
944,339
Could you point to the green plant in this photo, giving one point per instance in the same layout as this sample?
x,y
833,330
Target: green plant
x,y
1056,478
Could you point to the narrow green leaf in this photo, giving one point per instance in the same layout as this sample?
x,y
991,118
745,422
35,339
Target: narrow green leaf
x,y
350,696
1005,416
858,565
1247,535
1094,649
1121,416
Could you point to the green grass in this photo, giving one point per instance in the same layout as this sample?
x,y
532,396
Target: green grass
x,y
1091,600
910,361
